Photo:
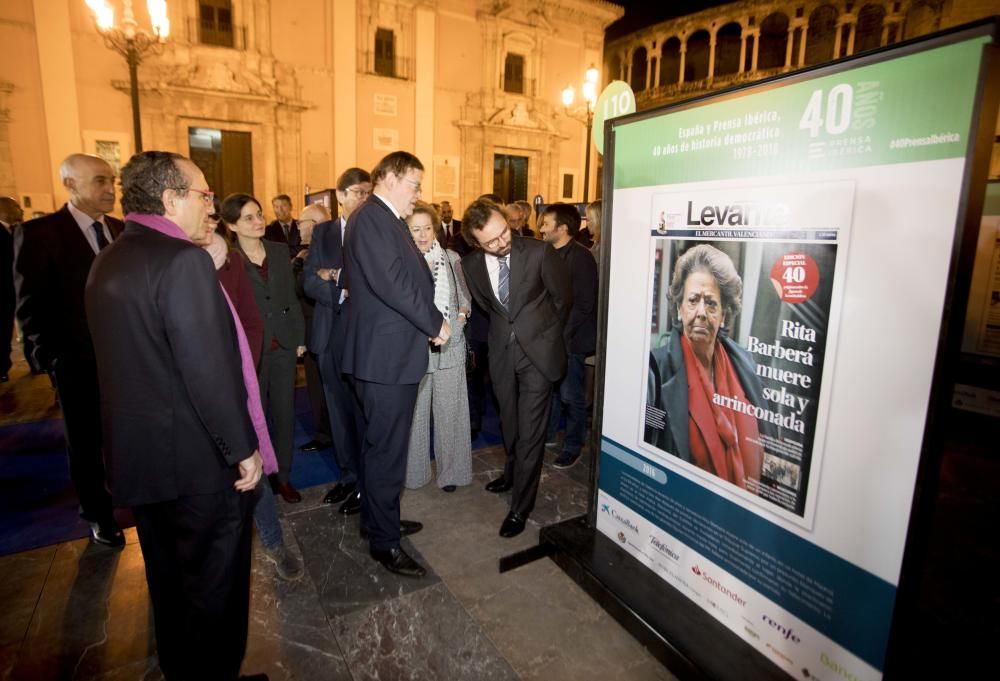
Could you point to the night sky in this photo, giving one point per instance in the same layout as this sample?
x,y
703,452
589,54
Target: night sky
x,y
640,13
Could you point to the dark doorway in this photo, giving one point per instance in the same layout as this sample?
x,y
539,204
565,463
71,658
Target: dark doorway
x,y
510,177
225,157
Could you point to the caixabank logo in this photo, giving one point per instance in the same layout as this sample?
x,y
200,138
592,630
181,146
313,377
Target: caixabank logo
x,y
620,519
718,586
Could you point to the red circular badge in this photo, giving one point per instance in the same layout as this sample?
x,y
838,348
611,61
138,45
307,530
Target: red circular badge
x,y
795,277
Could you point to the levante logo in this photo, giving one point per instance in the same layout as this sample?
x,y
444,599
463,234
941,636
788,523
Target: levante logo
x,y
732,595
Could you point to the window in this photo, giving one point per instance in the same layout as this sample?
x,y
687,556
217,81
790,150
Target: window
x,y
216,22
385,52
567,186
513,74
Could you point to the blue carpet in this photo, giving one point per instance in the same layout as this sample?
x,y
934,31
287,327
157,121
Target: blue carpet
x,y
38,505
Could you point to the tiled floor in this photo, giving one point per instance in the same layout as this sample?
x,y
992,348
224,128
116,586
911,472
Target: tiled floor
x,y
78,611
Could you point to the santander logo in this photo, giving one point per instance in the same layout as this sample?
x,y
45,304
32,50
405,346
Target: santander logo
x,y
731,595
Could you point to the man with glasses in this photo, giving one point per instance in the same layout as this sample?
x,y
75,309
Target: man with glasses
x,y
325,284
52,258
181,448
392,318
525,289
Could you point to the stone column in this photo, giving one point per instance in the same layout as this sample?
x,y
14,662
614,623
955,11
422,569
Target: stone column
x,y
804,32
659,65
756,51
649,65
711,54
743,52
836,39
684,50
885,35
850,38
788,46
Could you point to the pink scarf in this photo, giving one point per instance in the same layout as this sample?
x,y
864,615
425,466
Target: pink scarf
x,y
166,227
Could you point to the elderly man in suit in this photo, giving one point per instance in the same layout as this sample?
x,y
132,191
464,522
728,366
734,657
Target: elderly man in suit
x,y
181,447
324,283
525,288
52,258
392,317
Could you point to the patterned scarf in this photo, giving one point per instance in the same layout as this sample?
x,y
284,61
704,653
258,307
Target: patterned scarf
x,y
437,259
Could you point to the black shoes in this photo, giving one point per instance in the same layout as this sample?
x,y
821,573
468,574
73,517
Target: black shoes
x,y
339,492
513,525
499,485
405,527
448,488
314,446
288,493
352,505
399,561
107,533
566,460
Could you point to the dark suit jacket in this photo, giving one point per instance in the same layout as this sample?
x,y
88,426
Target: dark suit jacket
x,y
581,327
540,300
274,232
279,307
392,311
325,252
7,294
51,263
173,401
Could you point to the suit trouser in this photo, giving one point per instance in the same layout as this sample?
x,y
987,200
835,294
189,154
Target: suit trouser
x,y
6,333
524,395
277,395
346,417
197,555
388,411
317,398
76,381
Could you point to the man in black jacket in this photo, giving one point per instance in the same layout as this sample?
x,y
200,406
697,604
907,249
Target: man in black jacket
x,y
52,258
181,447
392,317
560,226
524,287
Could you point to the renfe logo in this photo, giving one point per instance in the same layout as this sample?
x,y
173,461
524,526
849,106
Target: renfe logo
x,y
787,634
732,595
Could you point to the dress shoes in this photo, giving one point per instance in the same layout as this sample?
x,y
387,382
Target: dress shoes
x,y
289,493
405,527
499,485
313,446
108,534
448,488
399,561
512,525
352,504
339,492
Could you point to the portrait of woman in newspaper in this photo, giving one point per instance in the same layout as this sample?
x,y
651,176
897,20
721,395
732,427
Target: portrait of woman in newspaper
x,y
700,371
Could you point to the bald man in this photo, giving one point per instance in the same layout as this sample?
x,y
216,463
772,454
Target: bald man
x,y
52,259
312,215
10,216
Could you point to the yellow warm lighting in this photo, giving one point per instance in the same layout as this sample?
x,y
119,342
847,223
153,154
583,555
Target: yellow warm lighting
x,y
567,95
158,17
590,91
593,75
104,14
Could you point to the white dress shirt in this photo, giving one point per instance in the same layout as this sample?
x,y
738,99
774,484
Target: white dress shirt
x,y
86,226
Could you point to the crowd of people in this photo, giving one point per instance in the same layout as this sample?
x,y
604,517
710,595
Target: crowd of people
x,y
172,339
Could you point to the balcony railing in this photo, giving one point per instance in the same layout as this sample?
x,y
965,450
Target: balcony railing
x,y
674,91
199,32
393,67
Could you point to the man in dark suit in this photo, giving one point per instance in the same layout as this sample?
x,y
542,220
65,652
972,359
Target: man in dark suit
x,y
285,228
523,285
324,283
392,316
10,216
453,230
52,258
560,225
180,444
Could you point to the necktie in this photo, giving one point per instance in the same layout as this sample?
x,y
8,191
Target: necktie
x,y
503,286
99,233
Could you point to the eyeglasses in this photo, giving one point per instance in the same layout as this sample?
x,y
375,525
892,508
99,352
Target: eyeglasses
x,y
206,196
493,243
362,193
416,185
214,217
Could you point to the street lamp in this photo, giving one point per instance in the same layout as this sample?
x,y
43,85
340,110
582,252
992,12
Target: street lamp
x,y
589,90
132,43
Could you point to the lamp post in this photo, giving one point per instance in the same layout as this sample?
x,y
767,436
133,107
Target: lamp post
x,y
132,43
589,90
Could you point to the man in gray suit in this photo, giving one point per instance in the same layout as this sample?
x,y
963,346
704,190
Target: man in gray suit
x,y
524,287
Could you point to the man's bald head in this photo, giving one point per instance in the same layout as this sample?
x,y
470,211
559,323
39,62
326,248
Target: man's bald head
x,y
10,210
90,182
311,215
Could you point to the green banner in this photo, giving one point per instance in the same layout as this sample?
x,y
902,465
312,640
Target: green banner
x,y
911,108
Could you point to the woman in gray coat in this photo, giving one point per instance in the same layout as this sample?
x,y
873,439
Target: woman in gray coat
x,y
442,390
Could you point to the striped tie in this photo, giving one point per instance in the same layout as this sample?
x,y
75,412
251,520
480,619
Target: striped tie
x,y
504,285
